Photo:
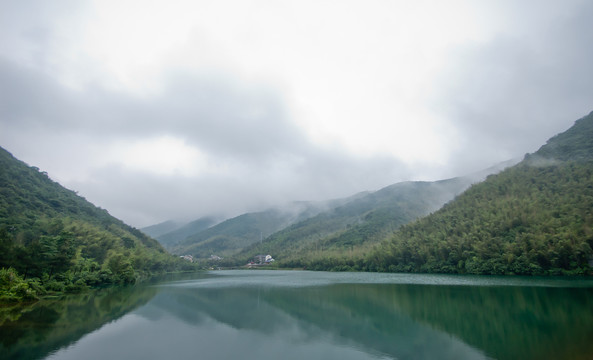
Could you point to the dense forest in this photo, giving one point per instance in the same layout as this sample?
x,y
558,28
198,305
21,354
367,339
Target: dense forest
x,y
527,220
52,240
535,218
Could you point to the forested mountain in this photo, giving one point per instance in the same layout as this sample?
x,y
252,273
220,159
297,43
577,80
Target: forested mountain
x,y
336,224
359,221
162,228
172,237
534,218
232,235
51,239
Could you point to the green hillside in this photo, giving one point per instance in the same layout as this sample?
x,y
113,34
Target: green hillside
x,y
170,239
200,239
162,228
349,229
575,144
534,218
234,234
339,224
53,240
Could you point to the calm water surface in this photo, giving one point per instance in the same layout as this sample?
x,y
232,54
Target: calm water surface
x,y
311,315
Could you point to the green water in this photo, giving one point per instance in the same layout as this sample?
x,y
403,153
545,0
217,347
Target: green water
x,y
311,315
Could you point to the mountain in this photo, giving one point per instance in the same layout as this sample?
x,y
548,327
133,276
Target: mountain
x,y
359,222
346,222
232,235
534,218
180,232
575,144
162,228
53,240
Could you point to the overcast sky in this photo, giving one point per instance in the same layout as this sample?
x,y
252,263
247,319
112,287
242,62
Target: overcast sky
x,y
158,110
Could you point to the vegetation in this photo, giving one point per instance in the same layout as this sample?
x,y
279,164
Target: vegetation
x,y
527,220
535,219
302,230
335,238
13,288
54,241
171,238
231,236
227,237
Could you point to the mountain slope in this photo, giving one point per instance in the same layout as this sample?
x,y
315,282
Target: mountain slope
x,y
575,144
171,238
346,222
534,218
162,228
53,235
232,235
361,221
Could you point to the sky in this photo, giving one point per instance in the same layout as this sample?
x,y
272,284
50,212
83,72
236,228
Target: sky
x,y
177,109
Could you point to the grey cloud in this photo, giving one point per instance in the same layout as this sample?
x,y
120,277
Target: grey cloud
x,y
508,96
216,115
246,128
504,98
228,118
145,199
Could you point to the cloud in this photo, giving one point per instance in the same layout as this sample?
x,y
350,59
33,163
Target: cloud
x,y
202,146
508,95
214,114
181,109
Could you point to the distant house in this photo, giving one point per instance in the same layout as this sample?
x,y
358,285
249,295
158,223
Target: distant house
x,y
187,257
262,259
215,257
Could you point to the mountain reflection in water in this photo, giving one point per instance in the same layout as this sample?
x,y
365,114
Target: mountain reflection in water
x,y
295,315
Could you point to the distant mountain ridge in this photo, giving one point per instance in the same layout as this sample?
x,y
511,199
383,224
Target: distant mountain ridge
x,y
349,221
178,232
159,229
232,235
362,221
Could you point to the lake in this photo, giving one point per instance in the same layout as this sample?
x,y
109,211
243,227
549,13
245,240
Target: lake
x,y
254,314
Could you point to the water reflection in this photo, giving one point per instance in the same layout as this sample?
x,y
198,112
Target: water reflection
x,y
32,332
294,315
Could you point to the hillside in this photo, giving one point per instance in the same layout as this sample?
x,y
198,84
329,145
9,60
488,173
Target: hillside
x,y
338,224
162,228
207,236
55,240
359,221
353,227
171,238
232,235
534,218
